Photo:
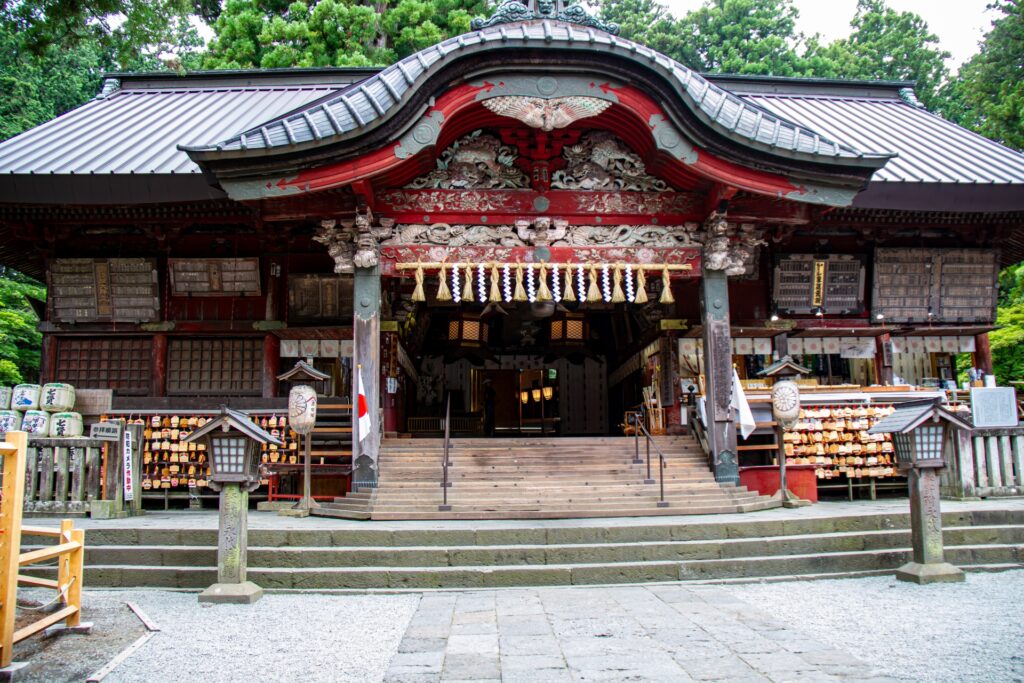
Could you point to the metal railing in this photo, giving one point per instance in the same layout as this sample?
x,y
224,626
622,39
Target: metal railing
x,y
445,463
638,423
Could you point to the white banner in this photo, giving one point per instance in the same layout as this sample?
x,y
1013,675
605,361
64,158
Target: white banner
x,y
129,475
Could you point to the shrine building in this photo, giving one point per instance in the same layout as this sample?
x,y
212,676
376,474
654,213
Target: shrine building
x,y
539,220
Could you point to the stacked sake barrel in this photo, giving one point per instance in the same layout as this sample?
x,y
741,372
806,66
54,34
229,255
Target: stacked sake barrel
x,y
40,410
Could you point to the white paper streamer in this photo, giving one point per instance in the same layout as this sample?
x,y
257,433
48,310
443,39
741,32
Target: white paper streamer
x,y
456,285
481,283
531,289
507,282
556,283
630,291
581,284
606,284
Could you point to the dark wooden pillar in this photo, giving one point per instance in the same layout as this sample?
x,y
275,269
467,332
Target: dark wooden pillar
x,y
721,426
159,364
48,371
781,344
271,364
366,356
389,342
883,359
983,354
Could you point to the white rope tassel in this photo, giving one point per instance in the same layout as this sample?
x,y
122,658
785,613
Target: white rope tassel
x,y
556,284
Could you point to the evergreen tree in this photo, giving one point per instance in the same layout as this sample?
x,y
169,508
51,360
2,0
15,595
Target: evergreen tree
x,y
20,339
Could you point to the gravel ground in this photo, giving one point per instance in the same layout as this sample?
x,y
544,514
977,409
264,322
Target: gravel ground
x,y
74,656
971,631
296,637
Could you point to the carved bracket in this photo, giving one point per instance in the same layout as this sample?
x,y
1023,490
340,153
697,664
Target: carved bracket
x,y
356,244
730,247
543,232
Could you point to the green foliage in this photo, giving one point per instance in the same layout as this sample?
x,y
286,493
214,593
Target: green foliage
x,y
1008,343
886,45
988,93
130,29
20,339
263,34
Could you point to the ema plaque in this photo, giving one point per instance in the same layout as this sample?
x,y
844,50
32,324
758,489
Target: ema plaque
x,y
994,407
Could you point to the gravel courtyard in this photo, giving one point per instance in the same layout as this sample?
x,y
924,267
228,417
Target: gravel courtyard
x,y
871,629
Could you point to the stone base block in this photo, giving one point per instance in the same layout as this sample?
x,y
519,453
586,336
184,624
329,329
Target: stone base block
x,y
293,512
107,509
937,572
83,627
232,593
12,672
268,506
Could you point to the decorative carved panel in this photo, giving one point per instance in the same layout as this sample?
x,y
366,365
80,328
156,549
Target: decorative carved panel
x,y
935,285
477,161
834,282
104,290
319,298
215,276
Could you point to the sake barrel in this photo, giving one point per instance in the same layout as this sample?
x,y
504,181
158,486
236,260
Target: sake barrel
x,y
66,424
10,421
36,422
25,397
57,397
5,398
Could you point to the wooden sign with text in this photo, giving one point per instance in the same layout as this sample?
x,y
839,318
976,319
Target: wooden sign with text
x,y
104,290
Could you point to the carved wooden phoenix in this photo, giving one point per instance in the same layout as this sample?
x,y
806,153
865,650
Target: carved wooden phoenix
x,y
547,115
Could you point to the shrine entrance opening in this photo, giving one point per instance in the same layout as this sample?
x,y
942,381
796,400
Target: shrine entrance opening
x,y
536,367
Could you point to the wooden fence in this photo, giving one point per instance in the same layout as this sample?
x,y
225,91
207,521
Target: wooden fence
x,y
985,463
69,552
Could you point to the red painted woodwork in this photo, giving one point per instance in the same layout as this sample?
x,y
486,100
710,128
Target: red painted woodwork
x,y
271,365
457,107
983,355
800,480
159,365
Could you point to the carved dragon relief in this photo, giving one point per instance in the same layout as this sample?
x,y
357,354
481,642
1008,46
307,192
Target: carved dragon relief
x,y
355,244
544,232
600,161
730,247
511,11
475,162
547,115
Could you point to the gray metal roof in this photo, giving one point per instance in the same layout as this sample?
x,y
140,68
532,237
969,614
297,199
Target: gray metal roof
x,y
930,149
369,103
136,130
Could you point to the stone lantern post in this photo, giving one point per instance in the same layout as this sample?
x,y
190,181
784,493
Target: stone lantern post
x,y
232,444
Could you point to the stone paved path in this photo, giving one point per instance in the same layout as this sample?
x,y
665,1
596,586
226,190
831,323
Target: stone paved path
x,y
629,633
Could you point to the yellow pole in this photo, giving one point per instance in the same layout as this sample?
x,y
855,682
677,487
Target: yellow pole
x,y
13,452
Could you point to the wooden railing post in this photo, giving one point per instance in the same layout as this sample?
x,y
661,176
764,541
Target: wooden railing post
x,y
77,572
10,543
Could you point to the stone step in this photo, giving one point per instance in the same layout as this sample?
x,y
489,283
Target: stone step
x,y
488,490
1005,543
362,578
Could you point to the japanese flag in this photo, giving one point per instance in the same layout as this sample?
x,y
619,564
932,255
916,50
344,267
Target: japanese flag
x,y
363,410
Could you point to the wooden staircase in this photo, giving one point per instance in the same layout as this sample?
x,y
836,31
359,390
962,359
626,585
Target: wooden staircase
x,y
538,478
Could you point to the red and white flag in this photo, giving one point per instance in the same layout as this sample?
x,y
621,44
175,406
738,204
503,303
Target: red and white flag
x,y
364,410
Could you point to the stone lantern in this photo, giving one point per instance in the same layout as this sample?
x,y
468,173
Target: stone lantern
x,y
919,431
785,411
233,443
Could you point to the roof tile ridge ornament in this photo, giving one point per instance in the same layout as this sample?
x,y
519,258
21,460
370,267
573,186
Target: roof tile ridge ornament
x,y
515,11
910,97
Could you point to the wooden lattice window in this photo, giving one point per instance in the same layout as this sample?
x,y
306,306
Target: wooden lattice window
x,y
123,364
214,367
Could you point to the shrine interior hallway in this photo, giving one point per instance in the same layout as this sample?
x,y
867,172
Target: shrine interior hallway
x,y
543,478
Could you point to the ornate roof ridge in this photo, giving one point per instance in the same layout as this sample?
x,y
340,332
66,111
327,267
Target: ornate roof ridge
x,y
515,11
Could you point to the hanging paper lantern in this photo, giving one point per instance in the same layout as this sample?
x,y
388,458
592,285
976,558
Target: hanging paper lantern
x,y
418,294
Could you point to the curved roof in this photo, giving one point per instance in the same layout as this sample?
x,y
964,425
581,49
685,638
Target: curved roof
x,y
366,105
